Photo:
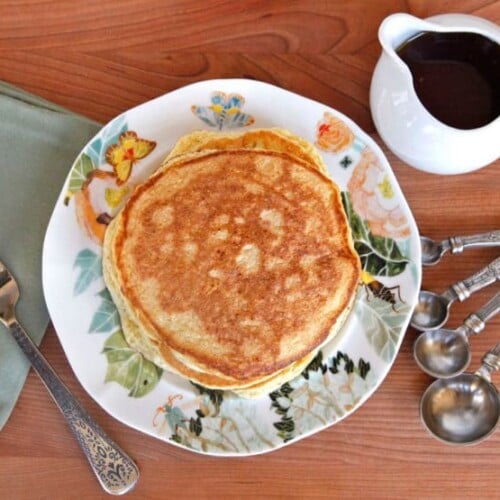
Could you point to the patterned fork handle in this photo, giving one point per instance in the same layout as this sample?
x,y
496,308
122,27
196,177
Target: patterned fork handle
x,y
116,472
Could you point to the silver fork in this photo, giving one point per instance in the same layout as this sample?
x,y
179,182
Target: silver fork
x,y
114,469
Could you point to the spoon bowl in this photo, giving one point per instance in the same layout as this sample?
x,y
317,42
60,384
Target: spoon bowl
x,y
442,353
431,311
431,251
445,353
461,410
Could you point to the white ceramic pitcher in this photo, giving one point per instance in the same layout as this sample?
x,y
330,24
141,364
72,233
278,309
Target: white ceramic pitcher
x,y
404,124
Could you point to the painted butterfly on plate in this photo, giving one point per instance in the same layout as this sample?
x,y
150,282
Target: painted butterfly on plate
x,y
123,155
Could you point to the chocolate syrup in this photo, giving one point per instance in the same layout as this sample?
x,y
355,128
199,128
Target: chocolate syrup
x,y
456,76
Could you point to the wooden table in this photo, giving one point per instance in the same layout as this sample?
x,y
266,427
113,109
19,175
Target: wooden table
x,y
100,58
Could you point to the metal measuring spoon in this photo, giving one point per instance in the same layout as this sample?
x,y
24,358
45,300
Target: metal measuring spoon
x,y
432,251
464,409
432,310
445,353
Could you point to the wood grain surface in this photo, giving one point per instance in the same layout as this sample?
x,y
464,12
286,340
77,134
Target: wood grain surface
x,y
99,58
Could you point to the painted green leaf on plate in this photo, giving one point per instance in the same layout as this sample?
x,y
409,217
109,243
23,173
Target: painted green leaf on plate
x,y
83,166
380,256
382,324
106,319
89,264
175,417
129,368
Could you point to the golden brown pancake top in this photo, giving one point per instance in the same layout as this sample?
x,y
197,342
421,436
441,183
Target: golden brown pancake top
x,y
240,261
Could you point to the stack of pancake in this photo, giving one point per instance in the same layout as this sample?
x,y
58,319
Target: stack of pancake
x,y
233,263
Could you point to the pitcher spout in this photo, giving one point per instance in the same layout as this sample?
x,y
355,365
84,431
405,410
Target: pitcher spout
x,y
396,29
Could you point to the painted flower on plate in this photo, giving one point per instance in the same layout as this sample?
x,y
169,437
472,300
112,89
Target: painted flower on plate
x,y
333,135
374,199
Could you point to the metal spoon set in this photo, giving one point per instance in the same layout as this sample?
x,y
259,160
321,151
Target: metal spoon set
x,y
458,407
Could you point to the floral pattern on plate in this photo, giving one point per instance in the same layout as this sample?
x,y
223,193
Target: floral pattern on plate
x,y
344,373
323,393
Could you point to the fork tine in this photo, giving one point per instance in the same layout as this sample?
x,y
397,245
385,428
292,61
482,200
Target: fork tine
x,y
5,275
9,295
8,284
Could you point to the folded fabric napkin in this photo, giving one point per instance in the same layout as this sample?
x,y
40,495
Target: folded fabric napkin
x,y
38,143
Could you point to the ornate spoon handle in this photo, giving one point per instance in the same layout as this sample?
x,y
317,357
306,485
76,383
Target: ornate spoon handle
x,y
486,276
476,321
490,363
116,472
489,239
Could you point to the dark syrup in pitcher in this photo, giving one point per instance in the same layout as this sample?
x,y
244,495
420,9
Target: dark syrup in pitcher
x,y
456,76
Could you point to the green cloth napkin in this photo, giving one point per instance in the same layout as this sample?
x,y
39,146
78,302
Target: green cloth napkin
x,y
38,143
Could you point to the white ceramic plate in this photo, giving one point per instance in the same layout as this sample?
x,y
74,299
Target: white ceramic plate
x,y
165,406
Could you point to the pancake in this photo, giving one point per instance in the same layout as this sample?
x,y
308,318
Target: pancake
x,y
165,358
233,267
270,139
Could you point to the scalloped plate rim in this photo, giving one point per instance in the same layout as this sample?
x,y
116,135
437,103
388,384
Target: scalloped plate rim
x,y
242,86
